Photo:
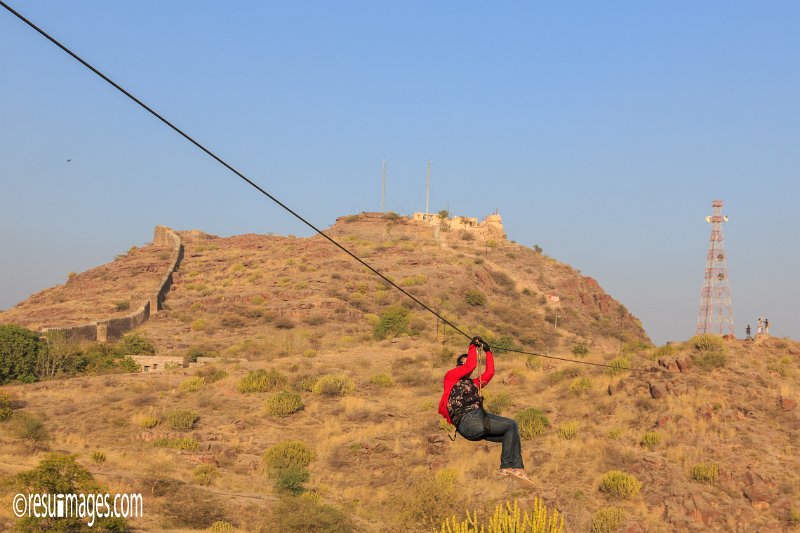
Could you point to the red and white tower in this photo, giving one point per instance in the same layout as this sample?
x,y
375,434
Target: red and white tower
x,y
716,311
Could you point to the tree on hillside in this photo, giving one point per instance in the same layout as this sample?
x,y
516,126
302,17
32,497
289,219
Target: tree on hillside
x,y
19,350
393,322
135,344
59,473
57,357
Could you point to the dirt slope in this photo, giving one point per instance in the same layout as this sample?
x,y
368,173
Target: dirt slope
x,y
381,457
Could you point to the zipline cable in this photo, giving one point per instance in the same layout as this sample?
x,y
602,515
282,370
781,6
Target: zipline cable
x,y
264,192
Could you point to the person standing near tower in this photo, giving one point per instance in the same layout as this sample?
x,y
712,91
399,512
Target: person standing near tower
x,y
766,326
747,330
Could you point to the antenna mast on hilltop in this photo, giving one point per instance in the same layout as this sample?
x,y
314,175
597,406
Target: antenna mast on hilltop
x,y
428,190
716,312
383,188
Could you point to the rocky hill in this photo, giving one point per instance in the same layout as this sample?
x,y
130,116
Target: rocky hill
x,y
309,294
710,440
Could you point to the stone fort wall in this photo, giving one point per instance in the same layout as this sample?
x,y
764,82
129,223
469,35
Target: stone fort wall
x,y
114,328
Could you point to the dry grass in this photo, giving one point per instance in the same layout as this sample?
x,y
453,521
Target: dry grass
x,y
374,444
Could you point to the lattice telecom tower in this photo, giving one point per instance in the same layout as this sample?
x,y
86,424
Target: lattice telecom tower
x,y
716,311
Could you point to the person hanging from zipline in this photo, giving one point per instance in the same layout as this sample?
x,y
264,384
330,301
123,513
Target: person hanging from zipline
x,y
462,406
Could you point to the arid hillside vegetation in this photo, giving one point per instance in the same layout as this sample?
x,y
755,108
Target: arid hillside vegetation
x,y
317,409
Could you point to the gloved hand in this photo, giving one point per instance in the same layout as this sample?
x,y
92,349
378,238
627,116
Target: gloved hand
x,y
485,346
477,342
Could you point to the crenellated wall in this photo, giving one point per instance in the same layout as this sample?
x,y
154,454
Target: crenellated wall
x,y
114,328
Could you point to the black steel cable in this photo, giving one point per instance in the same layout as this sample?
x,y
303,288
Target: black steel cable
x,y
264,192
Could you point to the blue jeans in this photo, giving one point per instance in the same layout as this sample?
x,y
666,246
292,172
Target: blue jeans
x,y
497,429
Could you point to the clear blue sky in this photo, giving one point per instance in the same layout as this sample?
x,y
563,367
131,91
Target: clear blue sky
x,y
601,131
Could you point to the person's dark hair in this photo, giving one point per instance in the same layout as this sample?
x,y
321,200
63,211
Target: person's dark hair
x,y
461,359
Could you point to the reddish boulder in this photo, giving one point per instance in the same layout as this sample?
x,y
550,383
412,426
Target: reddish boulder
x,y
684,362
669,363
657,390
761,493
787,404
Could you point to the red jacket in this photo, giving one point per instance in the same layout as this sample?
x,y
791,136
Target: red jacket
x,y
459,372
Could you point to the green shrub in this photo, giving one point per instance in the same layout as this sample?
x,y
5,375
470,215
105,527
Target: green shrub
x,y
607,520
333,385
650,440
185,444
148,421
381,380
196,352
430,498
668,350
19,351
305,514
101,358
614,433
221,527
28,428
122,305
569,430
393,323
497,403
619,365
135,344
290,480
181,419
534,362
192,384
580,386
502,344
620,485
580,350
288,454
556,376
710,360
309,353
475,298
794,517
707,342
305,383
510,518
205,474
779,367
634,347
705,472
414,281
532,423
61,474
211,374
5,407
284,403
261,381
98,457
